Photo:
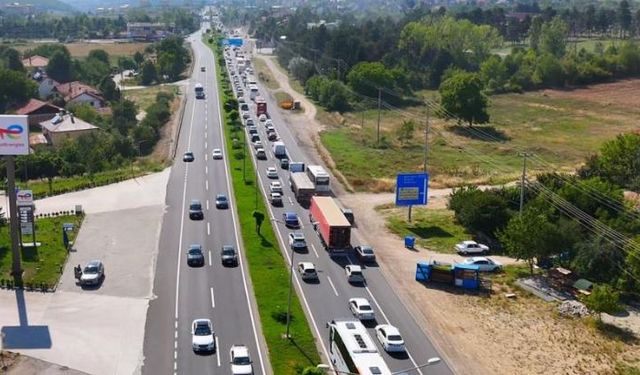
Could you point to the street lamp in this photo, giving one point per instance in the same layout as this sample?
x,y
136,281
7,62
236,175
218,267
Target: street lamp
x,y
430,362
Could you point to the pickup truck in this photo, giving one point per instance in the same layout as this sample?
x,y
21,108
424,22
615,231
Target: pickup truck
x,y
471,247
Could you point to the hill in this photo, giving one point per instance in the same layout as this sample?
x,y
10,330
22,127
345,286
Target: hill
x,y
44,5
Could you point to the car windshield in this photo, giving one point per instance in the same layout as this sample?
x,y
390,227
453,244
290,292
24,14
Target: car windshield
x,y
196,206
194,251
222,198
365,307
241,361
91,269
367,250
202,330
228,251
356,273
395,338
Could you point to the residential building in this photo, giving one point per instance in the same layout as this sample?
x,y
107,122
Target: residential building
x,y
35,62
65,126
78,92
46,87
86,97
38,111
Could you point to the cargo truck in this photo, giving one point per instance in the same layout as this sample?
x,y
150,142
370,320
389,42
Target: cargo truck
x,y
261,106
329,222
302,187
320,179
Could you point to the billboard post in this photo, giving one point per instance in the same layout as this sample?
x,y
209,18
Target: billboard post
x,y
411,189
14,140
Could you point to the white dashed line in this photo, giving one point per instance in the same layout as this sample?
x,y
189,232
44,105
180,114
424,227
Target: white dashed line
x,y
208,229
206,169
332,286
206,186
213,300
314,250
207,205
218,351
210,264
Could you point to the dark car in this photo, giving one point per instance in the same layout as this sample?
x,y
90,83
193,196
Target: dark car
x,y
284,163
273,137
195,210
195,257
228,255
222,201
188,157
291,220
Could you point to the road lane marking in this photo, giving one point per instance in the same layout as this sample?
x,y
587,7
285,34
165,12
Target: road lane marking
x,y
332,286
213,300
290,200
218,351
235,227
205,135
208,228
206,184
206,169
207,205
205,145
210,264
206,156
314,250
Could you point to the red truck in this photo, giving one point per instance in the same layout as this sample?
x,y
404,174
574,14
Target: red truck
x,y
329,222
261,106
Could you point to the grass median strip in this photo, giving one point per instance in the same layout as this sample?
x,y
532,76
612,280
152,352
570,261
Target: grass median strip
x,y
267,268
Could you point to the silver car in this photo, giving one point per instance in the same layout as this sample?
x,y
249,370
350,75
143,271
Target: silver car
x,y
93,273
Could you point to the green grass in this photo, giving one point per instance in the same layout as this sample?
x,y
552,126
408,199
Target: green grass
x,y
62,185
434,229
45,264
147,96
268,270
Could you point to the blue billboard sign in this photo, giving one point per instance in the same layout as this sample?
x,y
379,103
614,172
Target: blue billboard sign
x,y
238,42
411,189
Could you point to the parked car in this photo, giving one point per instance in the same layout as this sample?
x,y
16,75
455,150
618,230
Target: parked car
x,y
307,271
221,201
484,264
354,273
471,247
275,199
202,336
297,241
195,210
361,309
188,157
195,257
275,187
92,273
216,153
390,338
291,220
228,255
365,253
240,360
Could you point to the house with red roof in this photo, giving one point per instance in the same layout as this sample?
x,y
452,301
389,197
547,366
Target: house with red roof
x,y
77,92
38,111
35,61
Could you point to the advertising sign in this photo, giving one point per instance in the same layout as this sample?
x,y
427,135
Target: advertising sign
x,y
26,228
238,42
24,197
14,135
411,189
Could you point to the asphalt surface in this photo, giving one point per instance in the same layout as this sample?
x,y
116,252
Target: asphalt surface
x,y
328,299
184,293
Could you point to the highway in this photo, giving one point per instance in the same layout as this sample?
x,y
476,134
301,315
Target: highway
x,y
328,299
184,293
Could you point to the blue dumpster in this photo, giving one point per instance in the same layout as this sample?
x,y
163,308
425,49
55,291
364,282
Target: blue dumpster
x,y
409,242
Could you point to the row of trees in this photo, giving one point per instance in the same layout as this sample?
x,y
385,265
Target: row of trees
x,y
172,58
544,230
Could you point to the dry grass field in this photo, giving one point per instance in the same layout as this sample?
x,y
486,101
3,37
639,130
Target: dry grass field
x,y
82,49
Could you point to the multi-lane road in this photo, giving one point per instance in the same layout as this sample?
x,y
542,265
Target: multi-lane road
x,y
184,293
223,294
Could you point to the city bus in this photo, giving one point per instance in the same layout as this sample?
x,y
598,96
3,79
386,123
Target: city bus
x,y
351,349
199,91
320,179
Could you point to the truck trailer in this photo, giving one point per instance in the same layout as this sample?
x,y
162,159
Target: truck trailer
x,y
302,187
329,222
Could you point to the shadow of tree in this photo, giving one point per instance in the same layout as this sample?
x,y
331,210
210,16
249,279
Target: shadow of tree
x,y
430,232
616,333
480,133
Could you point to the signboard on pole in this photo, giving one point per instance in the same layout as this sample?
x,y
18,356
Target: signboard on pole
x,y
24,197
411,189
26,228
238,42
14,135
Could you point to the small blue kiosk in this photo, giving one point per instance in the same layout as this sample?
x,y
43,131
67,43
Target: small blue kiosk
x,y
464,276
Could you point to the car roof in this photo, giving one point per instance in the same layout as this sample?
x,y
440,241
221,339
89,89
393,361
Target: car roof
x,y
391,330
94,263
202,321
360,301
240,350
297,235
366,247
195,201
307,265
228,247
221,195
275,182
217,150
195,246
469,242
475,259
290,215
272,168
354,267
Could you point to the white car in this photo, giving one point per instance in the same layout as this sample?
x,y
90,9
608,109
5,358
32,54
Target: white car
x,y
390,338
307,271
202,336
268,122
257,145
272,172
262,118
471,247
276,199
245,114
361,309
297,241
240,360
354,273
484,264
275,187
216,154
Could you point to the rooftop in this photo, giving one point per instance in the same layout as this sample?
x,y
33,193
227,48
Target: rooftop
x,y
34,105
63,122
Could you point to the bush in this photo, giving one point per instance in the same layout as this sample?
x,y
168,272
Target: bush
x,y
603,299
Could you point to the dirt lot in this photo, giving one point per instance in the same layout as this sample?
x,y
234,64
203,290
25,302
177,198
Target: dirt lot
x,y
622,93
480,335
81,49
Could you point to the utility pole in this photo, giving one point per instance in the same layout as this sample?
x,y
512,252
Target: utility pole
x,y
14,219
379,108
524,175
290,292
